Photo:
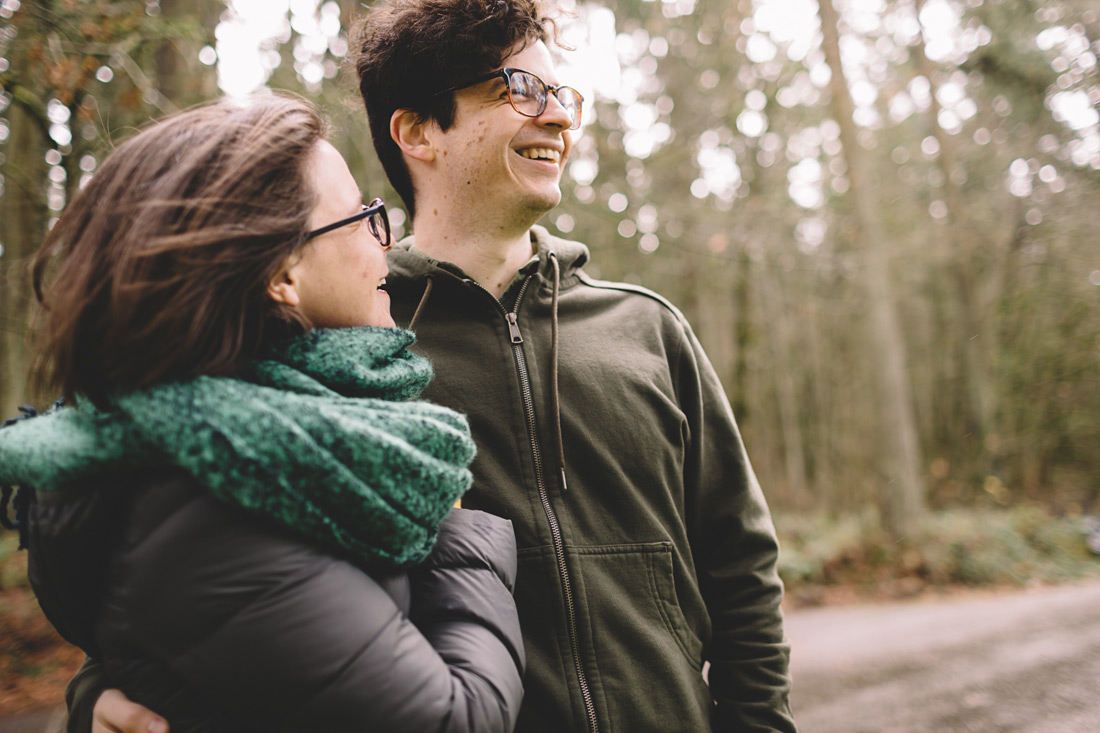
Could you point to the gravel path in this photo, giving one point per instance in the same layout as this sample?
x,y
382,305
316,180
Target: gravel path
x,y
1027,662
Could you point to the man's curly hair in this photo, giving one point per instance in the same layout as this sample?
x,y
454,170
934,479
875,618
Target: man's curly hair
x,y
405,51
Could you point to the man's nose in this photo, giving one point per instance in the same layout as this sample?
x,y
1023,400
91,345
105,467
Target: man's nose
x,y
555,113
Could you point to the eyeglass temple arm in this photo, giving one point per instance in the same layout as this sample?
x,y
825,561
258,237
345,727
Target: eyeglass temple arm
x,y
487,77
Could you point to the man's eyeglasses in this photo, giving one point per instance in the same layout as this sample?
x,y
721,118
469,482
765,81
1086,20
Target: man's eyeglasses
x,y
377,221
529,94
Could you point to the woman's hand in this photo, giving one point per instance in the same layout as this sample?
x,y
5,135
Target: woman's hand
x,y
115,713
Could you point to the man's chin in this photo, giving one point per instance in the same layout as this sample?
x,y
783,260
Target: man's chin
x,y
546,200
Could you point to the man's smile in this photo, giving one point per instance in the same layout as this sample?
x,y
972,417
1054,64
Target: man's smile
x,y
548,154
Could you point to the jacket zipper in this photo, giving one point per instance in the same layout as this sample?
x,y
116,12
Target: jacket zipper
x,y
540,481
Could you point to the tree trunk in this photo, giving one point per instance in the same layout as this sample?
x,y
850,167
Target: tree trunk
x,y
22,213
955,237
901,493
781,348
182,80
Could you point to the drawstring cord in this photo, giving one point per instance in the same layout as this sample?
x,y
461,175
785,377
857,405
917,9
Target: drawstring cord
x,y
555,399
423,301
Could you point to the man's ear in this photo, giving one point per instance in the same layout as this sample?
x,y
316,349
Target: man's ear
x,y
413,135
283,288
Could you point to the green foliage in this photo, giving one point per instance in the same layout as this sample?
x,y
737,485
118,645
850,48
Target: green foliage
x,y
808,542
975,548
67,46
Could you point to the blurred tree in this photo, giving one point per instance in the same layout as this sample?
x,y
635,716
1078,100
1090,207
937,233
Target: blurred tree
x,y
23,211
955,247
772,273
901,497
1040,77
187,27
77,74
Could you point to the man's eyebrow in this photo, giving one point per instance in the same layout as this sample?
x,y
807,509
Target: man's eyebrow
x,y
495,87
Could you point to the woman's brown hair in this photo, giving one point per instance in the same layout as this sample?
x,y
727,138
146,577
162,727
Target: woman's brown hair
x,y
157,271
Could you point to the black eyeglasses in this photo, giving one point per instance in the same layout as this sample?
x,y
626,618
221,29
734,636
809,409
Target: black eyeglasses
x,y
529,94
374,213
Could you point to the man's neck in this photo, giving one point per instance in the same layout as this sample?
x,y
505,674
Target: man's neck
x,y
490,258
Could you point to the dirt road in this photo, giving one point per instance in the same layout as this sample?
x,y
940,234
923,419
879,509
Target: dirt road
x,y
1026,662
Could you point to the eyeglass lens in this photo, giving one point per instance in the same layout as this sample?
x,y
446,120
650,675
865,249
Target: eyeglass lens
x,y
529,95
379,224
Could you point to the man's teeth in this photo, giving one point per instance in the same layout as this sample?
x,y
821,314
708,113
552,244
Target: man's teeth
x,y
541,154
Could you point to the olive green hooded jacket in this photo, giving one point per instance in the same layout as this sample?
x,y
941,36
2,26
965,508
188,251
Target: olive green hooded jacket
x,y
646,550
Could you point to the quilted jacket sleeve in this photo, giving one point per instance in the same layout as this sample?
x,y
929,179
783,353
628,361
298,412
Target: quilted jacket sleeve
x,y
466,613
276,635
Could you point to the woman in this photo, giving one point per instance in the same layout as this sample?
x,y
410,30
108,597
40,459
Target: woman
x,y
236,513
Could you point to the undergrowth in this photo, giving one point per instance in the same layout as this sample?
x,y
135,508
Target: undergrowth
x,y
822,558
35,663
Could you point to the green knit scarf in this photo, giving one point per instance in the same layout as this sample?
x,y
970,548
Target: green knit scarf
x,y
319,436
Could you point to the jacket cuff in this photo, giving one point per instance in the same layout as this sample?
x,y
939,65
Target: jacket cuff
x,y
82,693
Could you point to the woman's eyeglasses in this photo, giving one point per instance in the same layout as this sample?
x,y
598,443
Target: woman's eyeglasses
x,y
377,221
529,94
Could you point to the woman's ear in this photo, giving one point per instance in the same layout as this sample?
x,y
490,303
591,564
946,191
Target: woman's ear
x,y
283,288
413,135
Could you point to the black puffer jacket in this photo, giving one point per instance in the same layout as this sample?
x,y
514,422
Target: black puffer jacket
x,y
219,621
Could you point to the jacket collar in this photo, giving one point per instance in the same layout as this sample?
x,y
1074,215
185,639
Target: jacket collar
x,y
558,266
406,262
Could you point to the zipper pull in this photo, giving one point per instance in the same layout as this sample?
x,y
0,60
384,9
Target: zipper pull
x,y
513,328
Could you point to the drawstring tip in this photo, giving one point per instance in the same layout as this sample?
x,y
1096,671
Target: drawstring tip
x,y
564,484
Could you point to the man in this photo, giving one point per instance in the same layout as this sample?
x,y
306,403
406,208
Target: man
x,y
646,548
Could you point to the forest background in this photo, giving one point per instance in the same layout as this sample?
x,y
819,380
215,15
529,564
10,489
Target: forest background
x,y
880,216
